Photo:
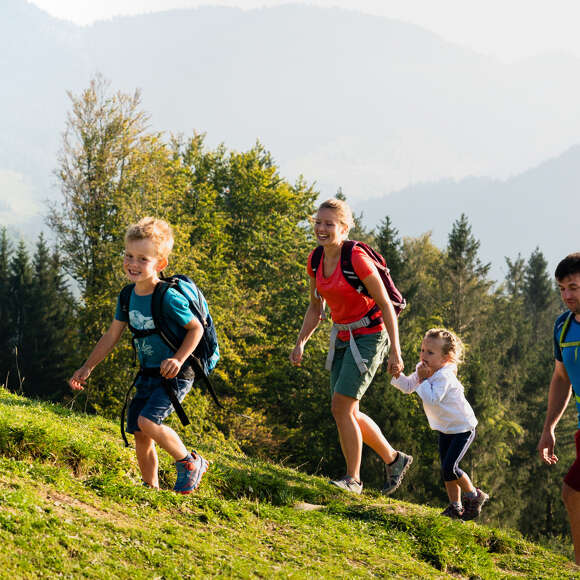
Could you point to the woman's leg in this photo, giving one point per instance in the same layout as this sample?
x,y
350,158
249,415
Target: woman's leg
x,y
344,410
374,438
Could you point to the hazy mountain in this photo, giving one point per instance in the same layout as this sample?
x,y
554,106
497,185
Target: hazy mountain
x,y
349,100
540,207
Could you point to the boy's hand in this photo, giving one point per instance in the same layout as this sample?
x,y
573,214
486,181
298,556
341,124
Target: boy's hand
x,y
423,371
79,379
170,367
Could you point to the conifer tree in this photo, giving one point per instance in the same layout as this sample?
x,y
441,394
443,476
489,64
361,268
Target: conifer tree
x,y
466,276
389,245
6,327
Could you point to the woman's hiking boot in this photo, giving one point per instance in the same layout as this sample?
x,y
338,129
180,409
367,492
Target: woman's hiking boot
x,y
394,473
189,473
348,483
473,504
453,511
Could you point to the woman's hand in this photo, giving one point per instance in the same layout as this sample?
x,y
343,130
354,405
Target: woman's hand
x,y
296,355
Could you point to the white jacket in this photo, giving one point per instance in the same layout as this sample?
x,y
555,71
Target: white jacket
x,y
443,399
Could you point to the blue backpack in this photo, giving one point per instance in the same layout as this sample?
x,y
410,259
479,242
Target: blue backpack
x,y
206,355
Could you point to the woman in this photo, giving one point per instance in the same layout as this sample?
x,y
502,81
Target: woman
x,y
372,329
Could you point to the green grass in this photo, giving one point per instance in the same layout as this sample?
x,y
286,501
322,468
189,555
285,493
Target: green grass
x,y
71,506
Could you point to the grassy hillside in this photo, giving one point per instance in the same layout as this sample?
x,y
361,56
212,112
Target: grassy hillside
x,y
71,505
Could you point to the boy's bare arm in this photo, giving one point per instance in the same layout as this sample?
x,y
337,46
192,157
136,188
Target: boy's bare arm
x,y
170,367
103,347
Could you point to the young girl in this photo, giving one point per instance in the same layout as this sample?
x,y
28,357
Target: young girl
x,y
449,414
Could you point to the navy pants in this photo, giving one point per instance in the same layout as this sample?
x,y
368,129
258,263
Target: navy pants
x,y
452,448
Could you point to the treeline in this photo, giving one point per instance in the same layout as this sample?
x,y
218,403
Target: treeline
x,y
243,233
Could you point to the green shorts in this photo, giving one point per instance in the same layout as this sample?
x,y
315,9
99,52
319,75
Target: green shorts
x,y
345,378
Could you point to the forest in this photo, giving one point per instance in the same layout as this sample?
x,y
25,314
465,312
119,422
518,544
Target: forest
x,y
243,233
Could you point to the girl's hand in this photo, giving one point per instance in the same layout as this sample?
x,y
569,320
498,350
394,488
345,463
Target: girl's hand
x,y
296,355
79,379
423,371
170,367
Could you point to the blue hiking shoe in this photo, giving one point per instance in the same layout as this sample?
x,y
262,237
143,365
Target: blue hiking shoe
x,y
189,473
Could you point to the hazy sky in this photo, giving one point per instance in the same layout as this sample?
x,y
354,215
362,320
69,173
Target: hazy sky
x,y
507,29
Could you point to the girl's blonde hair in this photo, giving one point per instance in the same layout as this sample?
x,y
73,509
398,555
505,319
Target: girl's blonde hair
x,y
156,230
343,212
451,345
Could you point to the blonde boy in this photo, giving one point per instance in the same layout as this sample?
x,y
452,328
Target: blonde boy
x,y
148,244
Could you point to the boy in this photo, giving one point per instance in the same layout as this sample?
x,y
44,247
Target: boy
x,y
147,247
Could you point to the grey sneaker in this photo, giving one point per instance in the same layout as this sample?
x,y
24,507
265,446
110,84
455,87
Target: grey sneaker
x,y
394,473
189,473
348,483
453,512
473,505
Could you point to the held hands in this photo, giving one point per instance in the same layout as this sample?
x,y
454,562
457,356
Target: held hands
x,y
79,379
170,367
395,364
546,447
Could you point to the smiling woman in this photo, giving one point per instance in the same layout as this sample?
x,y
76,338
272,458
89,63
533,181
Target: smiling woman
x,y
364,327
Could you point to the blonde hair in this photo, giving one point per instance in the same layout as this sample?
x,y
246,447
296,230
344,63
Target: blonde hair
x,y
156,230
451,345
343,212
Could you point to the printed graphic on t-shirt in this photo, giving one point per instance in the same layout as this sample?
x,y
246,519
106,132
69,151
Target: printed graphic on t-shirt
x,y
137,320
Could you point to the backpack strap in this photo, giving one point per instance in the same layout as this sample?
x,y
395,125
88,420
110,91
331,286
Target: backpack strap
x,y
316,259
565,328
170,338
125,298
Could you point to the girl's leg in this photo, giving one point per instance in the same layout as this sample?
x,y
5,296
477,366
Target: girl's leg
x,y
344,410
374,438
452,448
147,458
164,436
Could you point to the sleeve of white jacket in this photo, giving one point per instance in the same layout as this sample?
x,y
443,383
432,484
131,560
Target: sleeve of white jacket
x,y
433,389
406,384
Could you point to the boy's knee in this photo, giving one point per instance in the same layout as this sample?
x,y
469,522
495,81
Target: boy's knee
x,y
145,425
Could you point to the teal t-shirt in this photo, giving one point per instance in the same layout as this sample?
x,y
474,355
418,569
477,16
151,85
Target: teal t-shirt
x,y
569,355
151,349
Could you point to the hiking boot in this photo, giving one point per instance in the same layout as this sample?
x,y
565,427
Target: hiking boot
x,y
453,512
189,473
394,473
473,504
348,483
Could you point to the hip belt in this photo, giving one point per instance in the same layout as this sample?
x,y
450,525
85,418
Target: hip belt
x,y
336,328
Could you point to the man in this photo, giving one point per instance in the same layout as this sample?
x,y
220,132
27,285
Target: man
x,y
566,377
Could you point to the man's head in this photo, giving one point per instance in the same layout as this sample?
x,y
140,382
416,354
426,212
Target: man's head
x,y
568,279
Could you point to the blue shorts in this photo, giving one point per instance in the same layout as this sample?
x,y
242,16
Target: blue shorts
x,y
151,400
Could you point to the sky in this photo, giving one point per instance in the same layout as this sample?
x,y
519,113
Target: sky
x,y
509,30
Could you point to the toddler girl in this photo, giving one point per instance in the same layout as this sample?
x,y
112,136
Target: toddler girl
x,y
449,413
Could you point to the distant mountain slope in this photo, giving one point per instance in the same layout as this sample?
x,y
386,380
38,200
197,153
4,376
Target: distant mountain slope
x,y
540,207
349,100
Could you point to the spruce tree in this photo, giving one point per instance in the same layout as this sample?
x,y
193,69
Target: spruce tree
x,y
389,245
6,315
